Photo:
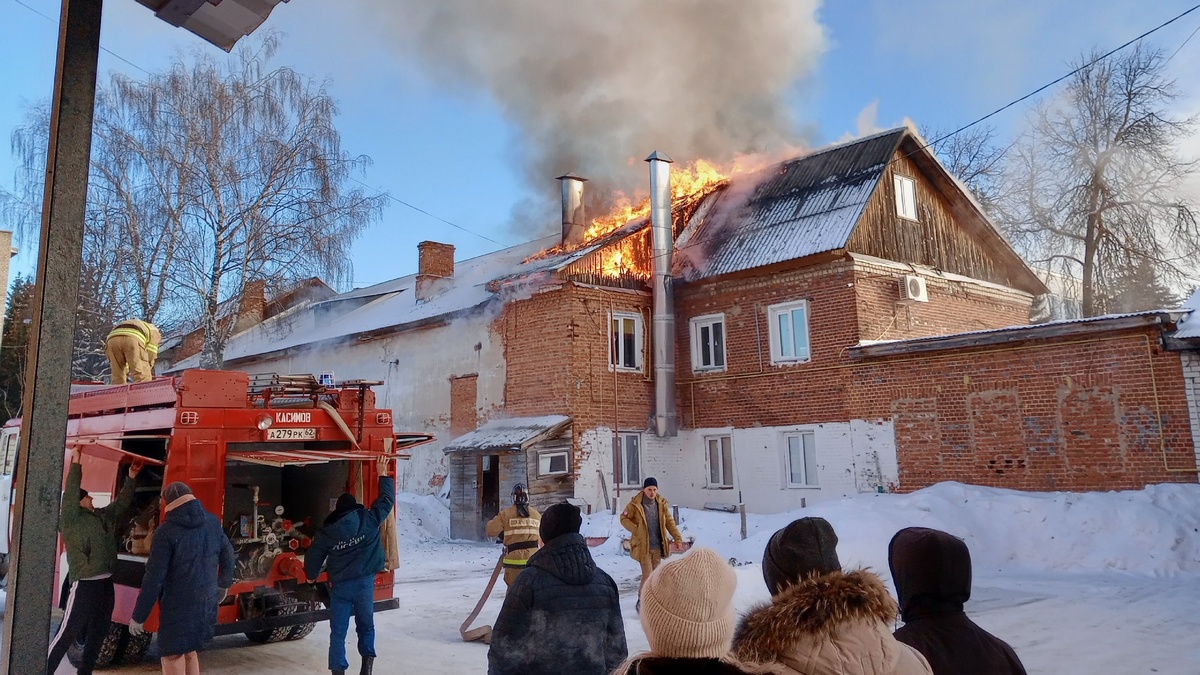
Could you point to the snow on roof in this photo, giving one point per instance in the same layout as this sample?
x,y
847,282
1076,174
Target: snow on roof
x,y
513,433
385,305
1189,326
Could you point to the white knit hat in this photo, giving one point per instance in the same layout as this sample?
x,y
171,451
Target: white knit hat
x,y
687,606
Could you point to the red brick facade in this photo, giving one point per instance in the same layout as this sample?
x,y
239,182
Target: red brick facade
x,y
1103,412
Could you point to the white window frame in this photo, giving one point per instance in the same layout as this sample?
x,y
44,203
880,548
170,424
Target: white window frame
x,y
810,476
906,196
638,341
724,482
698,325
773,314
622,461
545,461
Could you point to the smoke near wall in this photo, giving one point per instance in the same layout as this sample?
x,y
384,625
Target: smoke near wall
x,y
592,86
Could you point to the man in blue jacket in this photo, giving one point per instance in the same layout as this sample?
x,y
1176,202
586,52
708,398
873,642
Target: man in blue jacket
x,y
350,540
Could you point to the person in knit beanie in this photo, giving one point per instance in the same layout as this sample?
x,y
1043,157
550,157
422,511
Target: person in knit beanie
x,y
687,615
822,620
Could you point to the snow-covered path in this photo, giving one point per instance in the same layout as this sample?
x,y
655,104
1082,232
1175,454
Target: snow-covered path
x,y
1069,597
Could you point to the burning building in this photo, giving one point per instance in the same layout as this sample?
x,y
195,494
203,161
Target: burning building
x,y
846,321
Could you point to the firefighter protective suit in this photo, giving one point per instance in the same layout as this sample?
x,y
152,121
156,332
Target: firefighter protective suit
x,y
132,349
520,537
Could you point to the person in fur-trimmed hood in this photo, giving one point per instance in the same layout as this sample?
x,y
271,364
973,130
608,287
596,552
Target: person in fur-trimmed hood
x,y
822,620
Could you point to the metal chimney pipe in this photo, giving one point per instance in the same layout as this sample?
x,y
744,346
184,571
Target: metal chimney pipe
x,y
573,225
662,243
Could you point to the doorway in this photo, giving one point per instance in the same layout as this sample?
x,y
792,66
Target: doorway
x,y
489,489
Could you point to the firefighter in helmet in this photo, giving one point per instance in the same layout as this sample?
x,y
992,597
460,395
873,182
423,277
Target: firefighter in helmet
x,y
518,525
132,350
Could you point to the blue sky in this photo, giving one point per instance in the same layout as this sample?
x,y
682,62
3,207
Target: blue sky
x,y
939,62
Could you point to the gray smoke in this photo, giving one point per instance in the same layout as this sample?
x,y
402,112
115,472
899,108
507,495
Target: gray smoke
x,y
592,86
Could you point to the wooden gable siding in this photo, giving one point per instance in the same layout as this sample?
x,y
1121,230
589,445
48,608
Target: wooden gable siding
x,y
941,238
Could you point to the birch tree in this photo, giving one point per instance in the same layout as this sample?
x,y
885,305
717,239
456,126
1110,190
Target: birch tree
x,y
1092,188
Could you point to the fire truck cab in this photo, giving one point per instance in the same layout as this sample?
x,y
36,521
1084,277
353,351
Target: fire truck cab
x,y
268,454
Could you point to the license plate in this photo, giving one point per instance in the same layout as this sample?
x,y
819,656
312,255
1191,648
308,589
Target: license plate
x,y
287,434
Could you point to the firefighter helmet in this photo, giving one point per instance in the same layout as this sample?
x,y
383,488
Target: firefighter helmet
x,y
519,495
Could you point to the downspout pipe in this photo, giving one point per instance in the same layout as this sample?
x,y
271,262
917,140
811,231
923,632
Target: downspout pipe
x,y
662,243
573,225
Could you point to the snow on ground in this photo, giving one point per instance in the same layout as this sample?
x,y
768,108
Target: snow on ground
x,y
1077,583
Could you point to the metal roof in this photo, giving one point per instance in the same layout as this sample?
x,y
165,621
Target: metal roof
x,y
810,205
509,435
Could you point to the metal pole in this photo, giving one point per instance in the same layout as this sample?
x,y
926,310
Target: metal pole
x,y
38,483
662,240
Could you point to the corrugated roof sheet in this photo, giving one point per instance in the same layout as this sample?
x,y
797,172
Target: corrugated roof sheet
x,y
507,434
810,205
1189,326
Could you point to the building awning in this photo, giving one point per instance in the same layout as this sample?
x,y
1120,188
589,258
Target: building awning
x,y
509,435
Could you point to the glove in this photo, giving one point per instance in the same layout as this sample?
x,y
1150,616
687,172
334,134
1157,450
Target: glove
x,y
136,628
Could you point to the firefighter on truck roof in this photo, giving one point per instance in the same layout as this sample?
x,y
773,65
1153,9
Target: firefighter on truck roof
x,y
519,526
132,350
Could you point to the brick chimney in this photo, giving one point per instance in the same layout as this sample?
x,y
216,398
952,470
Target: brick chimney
x,y
435,261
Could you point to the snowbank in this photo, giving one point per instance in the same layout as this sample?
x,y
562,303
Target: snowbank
x,y
421,518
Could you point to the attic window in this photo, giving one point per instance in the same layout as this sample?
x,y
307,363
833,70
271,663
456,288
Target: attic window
x,y
906,197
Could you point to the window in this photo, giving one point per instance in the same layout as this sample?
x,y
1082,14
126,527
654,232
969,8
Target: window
x,y
629,455
801,460
8,454
625,345
708,342
552,463
720,461
789,332
906,197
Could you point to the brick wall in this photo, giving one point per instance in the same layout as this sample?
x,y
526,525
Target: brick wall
x,y
1105,412
435,259
464,411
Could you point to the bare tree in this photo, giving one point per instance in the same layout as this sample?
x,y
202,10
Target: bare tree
x,y
1092,187
206,177
973,157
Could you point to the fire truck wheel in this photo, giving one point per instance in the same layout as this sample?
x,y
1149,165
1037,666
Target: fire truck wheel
x,y
135,649
270,635
300,632
114,642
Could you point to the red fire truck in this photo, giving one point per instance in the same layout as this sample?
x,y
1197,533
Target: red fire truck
x,y
268,454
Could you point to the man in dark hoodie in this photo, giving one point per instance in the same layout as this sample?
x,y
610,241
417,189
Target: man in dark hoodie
x,y
352,543
562,615
932,573
190,567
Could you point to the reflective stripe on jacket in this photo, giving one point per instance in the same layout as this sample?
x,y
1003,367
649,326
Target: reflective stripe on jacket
x,y
519,532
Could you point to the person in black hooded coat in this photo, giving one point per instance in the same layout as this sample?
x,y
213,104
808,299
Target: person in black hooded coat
x,y
190,567
932,573
562,615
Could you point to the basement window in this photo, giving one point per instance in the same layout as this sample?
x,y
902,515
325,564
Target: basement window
x,y
789,332
906,197
625,341
552,463
720,461
800,460
708,342
629,456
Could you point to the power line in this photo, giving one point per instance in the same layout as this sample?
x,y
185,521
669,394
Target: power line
x,y
421,210
386,194
1180,48
1068,75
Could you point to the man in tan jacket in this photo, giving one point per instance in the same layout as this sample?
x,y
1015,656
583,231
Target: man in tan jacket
x,y
648,517
519,524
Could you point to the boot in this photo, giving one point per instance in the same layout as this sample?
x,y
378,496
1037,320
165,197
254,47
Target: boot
x,y
367,664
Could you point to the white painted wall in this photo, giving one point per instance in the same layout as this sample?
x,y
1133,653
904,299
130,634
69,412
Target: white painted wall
x,y
853,457
1191,381
416,367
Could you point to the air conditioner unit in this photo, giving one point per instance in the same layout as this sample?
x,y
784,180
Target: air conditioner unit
x,y
912,289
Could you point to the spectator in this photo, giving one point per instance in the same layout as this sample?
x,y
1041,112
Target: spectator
x,y
648,517
932,573
90,537
352,542
562,614
821,620
189,571
687,613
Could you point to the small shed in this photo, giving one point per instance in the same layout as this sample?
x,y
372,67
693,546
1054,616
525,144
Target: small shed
x,y
487,462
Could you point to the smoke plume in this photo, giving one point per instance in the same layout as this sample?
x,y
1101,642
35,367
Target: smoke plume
x,y
592,86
